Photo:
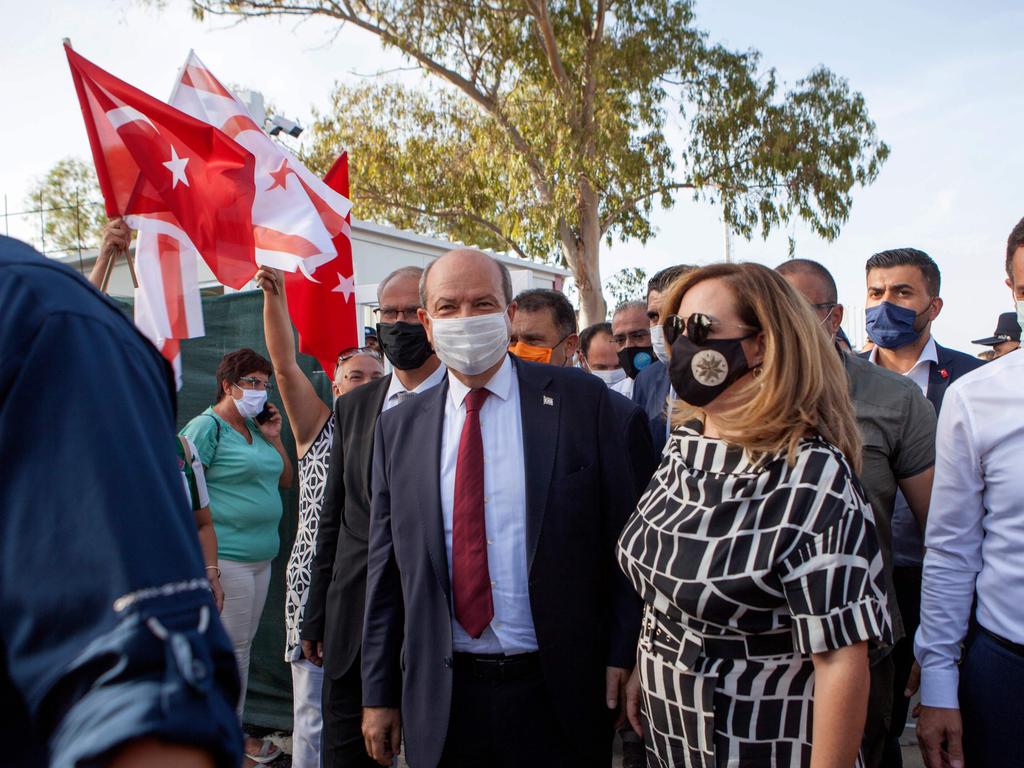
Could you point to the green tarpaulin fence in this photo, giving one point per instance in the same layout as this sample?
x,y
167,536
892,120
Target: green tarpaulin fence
x,y
232,322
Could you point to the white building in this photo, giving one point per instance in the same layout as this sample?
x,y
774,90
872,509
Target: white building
x,y
377,251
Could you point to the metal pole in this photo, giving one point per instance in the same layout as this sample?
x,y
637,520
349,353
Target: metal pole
x,y
78,231
7,230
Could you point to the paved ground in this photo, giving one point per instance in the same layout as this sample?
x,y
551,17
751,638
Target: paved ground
x,y
911,754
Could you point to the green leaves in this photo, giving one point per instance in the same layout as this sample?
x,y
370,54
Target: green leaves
x,y
548,126
69,197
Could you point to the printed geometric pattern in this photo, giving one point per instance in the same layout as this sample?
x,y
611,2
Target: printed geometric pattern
x,y
312,485
777,560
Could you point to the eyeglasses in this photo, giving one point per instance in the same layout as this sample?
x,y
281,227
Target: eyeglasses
x,y
394,314
639,337
348,354
697,327
252,382
358,377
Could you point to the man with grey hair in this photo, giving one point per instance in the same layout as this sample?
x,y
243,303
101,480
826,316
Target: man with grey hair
x,y
333,622
632,336
499,629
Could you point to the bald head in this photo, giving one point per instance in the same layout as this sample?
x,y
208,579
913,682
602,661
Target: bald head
x,y
462,271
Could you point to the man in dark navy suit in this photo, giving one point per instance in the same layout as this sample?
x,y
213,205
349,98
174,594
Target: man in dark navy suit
x,y
499,630
651,389
902,302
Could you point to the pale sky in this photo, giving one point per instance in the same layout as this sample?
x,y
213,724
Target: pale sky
x,y
943,81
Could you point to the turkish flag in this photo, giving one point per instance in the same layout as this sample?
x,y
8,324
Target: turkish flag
x,y
153,159
324,311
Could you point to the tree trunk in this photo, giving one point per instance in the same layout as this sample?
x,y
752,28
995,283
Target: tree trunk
x,y
583,253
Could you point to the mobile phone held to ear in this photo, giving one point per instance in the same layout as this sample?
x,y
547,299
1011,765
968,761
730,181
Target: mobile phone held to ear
x,y
264,416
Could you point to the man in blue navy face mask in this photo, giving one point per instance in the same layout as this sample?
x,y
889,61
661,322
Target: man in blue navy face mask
x,y
902,301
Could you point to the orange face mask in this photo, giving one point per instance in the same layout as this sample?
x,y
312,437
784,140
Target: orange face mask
x,y
528,352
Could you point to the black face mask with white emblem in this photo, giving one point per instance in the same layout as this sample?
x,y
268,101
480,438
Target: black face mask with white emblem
x,y
700,373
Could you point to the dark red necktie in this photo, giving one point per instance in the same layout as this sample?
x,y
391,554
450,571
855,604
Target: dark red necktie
x,y
471,581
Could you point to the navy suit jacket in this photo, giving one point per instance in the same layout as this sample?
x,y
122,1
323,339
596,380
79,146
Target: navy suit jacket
x,y
951,366
585,450
650,392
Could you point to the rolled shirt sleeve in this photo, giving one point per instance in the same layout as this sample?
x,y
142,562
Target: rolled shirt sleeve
x,y
109,631
953,553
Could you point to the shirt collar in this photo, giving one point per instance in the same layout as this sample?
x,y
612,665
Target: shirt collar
x,y
499,385
396,387
930,354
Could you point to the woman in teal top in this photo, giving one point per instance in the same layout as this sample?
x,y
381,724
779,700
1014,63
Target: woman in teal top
x,y
245,464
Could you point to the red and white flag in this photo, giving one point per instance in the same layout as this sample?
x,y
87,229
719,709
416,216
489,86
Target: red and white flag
x,y
202,178
324,312
152,159
301,223
168,306
295,215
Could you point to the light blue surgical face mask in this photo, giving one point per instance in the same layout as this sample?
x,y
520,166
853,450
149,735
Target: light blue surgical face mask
x,y
1020,315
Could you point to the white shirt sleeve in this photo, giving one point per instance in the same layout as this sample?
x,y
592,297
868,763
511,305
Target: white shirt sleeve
x,y
953,555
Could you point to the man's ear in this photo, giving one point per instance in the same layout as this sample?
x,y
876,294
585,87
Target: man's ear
x,y
424,317
836,321
935,308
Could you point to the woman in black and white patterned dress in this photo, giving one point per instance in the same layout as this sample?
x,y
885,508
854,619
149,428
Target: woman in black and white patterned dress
x,y
313,428
753,547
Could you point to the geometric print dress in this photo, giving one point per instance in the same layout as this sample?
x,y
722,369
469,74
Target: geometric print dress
x,y
746,567
312,485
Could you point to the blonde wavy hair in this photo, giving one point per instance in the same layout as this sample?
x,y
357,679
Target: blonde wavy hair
x,y
801,389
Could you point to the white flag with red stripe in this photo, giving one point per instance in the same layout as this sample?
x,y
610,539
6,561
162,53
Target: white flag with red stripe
x,y
295,215
168,307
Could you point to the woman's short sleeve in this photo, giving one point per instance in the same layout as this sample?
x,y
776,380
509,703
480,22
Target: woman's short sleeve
x,y
833,579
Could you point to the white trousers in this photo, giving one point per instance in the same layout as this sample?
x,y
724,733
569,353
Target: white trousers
x,y
245,593
307,686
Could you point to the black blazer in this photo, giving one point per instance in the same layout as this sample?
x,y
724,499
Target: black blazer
x,y
581,448
337,588
951,366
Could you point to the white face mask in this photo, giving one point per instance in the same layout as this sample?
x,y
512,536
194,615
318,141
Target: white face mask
x,y
1020,314
612,377
470,345
251,404
658,342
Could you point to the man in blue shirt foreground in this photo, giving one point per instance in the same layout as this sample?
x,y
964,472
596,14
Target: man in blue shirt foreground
x,y
112,651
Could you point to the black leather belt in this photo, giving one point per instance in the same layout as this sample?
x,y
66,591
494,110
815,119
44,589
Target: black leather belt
x,y
1009,645
498,667
672,641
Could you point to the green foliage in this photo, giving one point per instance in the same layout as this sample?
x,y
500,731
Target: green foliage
x,y
628,284
73,213
547,129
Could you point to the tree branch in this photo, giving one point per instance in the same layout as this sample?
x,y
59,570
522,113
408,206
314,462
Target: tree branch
x,y
448,213
631,203
546,32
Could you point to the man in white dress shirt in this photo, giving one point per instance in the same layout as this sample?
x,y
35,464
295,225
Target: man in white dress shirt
x,y
972,712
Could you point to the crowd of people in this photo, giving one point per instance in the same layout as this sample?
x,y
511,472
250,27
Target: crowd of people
x,y
707,526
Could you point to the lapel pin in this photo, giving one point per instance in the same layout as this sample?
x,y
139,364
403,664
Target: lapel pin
x,y
944,373
549,400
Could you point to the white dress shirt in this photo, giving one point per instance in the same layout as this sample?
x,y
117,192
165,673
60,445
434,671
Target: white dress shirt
x,y
975,535
624,387
397,388
922,369
501,426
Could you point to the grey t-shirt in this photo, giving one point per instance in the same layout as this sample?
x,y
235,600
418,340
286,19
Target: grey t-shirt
x,y
897,425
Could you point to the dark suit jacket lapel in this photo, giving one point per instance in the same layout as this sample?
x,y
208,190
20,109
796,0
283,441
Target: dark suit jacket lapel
x,y
937,383
424,450
368,423
539,409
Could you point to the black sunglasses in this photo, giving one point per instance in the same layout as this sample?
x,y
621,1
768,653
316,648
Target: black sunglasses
x,y
697,328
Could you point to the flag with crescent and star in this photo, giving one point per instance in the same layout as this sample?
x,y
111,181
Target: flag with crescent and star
x,y
324,313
